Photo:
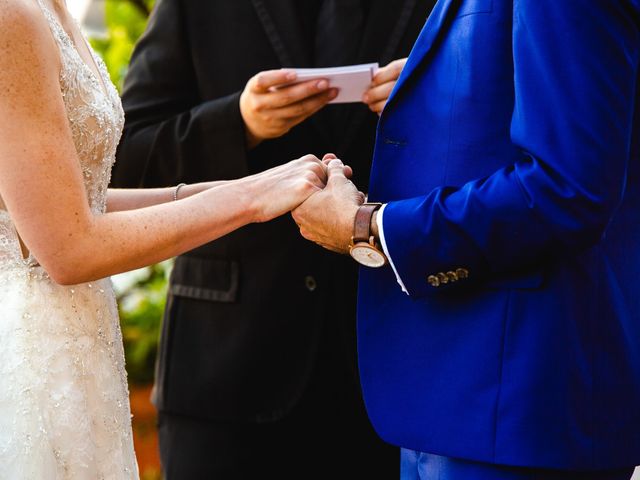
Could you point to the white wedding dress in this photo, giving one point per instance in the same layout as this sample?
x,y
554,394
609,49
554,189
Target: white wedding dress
x,y
64,407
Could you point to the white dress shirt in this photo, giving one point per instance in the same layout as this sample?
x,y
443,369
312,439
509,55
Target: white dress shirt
x,y
383,242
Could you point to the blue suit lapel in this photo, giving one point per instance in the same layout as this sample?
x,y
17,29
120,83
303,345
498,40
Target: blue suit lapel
x,y
435,24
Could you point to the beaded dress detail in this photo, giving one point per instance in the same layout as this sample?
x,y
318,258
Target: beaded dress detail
x,y
64,405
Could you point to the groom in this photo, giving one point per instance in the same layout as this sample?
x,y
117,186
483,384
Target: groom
x,y
500,339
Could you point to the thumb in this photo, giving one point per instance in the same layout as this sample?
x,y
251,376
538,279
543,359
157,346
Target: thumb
x,y
328,157
335,172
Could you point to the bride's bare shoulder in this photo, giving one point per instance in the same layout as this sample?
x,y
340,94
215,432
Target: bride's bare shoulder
x,y
25,38
22,21
18,15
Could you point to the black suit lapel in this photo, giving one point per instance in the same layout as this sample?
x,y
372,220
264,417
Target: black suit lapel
x,y
386,25
283,29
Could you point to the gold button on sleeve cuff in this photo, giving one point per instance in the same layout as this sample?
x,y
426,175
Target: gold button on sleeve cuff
x,y
462,273
433,281
441,278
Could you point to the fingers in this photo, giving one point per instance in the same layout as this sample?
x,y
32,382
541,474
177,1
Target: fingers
x,y
335,172
318,170
348,171
390,73
302,110
263,81
378,107
378,94
310,157
322,175
322,169
382,85
295,93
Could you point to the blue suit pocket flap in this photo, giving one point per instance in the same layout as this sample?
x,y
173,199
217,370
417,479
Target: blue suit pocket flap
x,y
472,7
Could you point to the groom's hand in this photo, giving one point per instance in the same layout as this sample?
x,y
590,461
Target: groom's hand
x,y
327,217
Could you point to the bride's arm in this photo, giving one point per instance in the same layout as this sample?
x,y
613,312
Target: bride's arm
x,y
41,181
119,200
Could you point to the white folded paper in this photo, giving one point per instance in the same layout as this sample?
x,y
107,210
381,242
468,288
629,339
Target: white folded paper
x,y
352,81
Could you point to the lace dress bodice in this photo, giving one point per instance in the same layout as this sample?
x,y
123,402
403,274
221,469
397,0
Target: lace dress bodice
x,y
96,120
64,406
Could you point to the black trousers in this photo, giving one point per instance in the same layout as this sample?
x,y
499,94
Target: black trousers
x,y
326,436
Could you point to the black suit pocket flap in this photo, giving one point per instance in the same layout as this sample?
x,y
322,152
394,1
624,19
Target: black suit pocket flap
x,y
205,279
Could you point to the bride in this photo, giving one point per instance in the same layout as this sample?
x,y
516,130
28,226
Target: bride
x,y
64,410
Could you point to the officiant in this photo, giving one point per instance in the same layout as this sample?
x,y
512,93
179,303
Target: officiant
x,y
257,373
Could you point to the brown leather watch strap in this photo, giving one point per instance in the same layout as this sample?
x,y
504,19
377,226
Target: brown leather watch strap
x,y
362,224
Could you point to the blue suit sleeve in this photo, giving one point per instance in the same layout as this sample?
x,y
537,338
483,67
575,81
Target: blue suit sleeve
x,y
575,69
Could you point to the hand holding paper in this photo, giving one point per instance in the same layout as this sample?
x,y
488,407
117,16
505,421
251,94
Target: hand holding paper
x,y
275,101
359,83
383,82
351,81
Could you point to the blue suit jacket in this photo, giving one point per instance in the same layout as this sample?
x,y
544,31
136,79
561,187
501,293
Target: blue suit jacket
x,y
510,148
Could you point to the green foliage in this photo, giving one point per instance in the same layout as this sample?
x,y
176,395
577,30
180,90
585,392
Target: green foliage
x,y
125,22
141,305
141,296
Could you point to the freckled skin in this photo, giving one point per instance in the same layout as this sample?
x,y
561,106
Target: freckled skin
x,y
42,186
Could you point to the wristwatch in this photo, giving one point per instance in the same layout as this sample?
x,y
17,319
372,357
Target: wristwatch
x,y
363,247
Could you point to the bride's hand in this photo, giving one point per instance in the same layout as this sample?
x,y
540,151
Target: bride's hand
x,y
281,189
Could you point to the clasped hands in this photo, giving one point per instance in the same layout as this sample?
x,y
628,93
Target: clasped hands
x,y
271,104
327,217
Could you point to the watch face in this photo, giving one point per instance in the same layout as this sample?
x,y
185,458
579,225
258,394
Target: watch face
x,y
368,256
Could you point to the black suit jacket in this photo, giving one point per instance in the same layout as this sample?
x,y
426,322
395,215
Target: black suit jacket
x,y
245,313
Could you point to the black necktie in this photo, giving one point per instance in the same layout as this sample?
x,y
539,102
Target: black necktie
x,y
338,32
338,36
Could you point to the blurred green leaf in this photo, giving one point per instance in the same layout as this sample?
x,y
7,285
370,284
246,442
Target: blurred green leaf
x,y
142,304
125,23
141,308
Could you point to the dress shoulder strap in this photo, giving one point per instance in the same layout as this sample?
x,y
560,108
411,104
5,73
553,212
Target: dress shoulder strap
x,y
59,33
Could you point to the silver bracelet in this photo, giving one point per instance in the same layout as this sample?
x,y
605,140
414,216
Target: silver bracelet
x,y
177,189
